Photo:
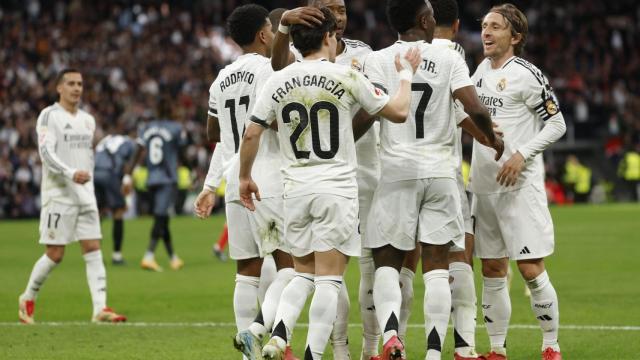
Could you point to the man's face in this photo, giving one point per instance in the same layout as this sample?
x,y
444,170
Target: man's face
x,y
267,29
496,36
70,88
339,10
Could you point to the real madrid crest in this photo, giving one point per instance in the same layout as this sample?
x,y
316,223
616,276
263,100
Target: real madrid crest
x,y
502,84
551,107
52,234
355,64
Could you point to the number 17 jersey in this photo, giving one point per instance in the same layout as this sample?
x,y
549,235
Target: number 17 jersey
x,y
424,145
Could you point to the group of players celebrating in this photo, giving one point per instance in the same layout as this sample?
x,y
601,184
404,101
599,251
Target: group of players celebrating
x,y
331,150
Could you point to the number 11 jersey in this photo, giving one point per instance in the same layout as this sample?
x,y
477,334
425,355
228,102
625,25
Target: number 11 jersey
x,y
314,102
424,145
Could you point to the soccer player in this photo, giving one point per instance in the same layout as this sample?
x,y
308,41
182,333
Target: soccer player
x,y
417,199
113,182
69,211
350,53
163,139
252,236
509,201
314,101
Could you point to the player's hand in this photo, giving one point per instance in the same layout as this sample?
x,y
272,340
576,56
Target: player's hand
x,y
81,177
126,189
410,61
497,130
510,171
306,15
247,189
498,146
204,203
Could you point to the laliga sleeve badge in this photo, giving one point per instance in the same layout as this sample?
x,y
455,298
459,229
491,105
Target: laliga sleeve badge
x,y
551,107
502,84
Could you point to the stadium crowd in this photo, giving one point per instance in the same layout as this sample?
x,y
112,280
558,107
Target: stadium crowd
x,y
133,54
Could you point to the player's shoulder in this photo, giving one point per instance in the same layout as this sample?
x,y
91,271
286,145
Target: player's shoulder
x,y
47,114
524,69
85,114
356,45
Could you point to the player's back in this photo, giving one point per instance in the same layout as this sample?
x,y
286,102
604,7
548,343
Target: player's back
x,y
314,102
423,146
163,139
112,154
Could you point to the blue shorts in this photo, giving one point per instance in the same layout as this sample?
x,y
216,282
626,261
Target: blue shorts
x,y
162,198
108,193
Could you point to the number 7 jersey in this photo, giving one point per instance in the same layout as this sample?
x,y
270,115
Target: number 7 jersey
x,y
424,145
314,102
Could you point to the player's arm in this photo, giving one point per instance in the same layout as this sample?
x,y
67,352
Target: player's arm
x,y
213,129
47,140
206,200
539,97
139,152
481,119
362,122
397,109
248,151
281,56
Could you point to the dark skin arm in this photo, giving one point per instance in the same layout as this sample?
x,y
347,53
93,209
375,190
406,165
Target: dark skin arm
x,y
362,122
280,54
213,129
480,116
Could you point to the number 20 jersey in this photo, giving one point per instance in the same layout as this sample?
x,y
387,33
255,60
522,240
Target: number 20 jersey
x,y
314,102
424,145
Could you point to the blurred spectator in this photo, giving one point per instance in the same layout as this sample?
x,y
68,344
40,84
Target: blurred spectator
x,y
629,171
577,180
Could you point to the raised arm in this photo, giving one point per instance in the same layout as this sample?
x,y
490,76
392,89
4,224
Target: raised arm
x,y
281,56
397,109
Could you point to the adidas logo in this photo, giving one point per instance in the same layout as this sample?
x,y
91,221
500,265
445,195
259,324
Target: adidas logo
x,y
68,127
544,318
525,250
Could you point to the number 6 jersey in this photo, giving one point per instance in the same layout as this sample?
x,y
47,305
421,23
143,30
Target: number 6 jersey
x,y
314,102
424,145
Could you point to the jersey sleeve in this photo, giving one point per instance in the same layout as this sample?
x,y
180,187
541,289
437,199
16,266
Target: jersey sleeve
x,y
539,96
374,72
263,113
213,104
459,113
371,98
459,74
214,175
264,74
47,140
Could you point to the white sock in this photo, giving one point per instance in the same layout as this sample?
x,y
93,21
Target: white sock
x,y
544,302
437,307
370,328
339,335
292,301
268,275
463,304
322,314
116,255
406,289
387,299
496,308
245,300
39,274
149,256
267,314
97,279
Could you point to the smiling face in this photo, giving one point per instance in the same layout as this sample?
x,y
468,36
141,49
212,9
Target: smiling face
x,y
339,10
70,88
498,37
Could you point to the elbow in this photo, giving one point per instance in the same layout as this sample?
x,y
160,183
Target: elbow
x,y
400,116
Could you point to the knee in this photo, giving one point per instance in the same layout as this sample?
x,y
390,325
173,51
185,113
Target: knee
x,y
494,268
55,254
530,269
250,267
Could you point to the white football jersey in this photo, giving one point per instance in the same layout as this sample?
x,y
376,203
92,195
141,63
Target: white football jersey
x,y
232,97
65,144
424,145
519,99
368,172
313,102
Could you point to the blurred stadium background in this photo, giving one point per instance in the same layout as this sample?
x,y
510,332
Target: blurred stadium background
x,y
133,52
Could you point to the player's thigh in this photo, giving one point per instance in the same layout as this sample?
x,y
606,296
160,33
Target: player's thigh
x,y
242,242
440,219
334,224
58,223
268,222
88,224
393,217
489,243
297,225
163,199
526,223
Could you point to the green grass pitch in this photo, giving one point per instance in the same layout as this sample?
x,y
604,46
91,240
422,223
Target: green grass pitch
x,y
188,314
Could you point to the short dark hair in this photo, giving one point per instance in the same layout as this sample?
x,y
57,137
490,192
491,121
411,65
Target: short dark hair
x,y
516,21
64,72
402,13
244,23
445,12
309,39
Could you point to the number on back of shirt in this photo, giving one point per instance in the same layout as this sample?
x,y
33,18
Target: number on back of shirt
x,y
231,105
155,150
311,117
426,91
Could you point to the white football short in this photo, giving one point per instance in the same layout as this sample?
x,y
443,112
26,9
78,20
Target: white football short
x,y
62,224
515,224
255,234
321,222
464,205
366,190
425,210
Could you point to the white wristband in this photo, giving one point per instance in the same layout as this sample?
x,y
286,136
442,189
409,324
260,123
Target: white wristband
x,y
283,29
406,74
126,180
